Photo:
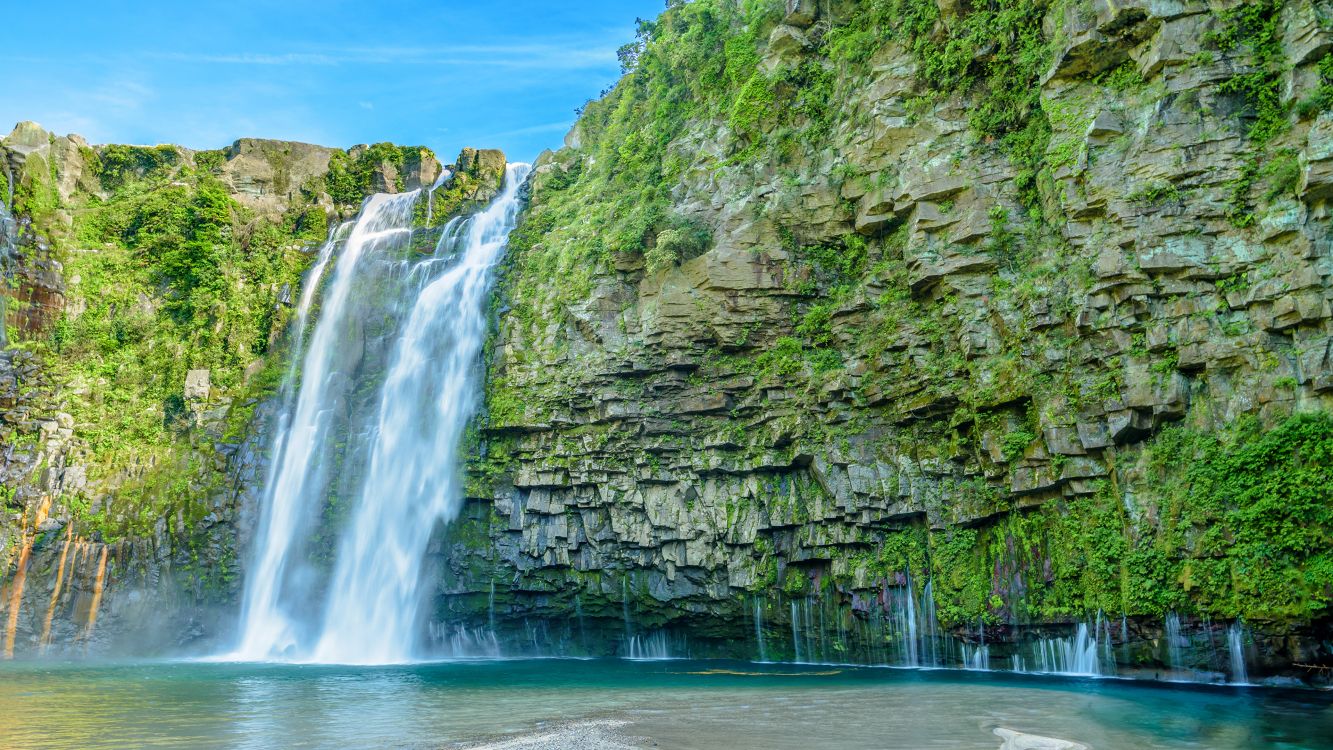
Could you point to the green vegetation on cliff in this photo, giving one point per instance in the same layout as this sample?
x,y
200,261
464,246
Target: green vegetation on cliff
x,y
1224,526
176,276
351,175
164,273
172,275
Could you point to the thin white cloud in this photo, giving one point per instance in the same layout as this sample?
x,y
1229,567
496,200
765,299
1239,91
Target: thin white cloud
x,y
248,58
571,54
123,95
550,127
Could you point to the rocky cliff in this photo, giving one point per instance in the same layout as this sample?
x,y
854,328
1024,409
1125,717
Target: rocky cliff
x,y
1019,310
148,291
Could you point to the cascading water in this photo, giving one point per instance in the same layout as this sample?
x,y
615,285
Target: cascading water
x,y
275,610
976,657
759,630
796,632
413,483
649,647
1076,655
403,483
1236,651
1174,642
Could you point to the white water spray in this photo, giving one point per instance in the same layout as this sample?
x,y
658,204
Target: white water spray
x,y
405,481
277,590
413,483
1236,650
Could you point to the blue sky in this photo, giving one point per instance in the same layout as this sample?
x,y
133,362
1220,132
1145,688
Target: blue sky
x,y
202,73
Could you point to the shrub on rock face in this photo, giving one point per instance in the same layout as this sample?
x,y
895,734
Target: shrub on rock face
x,y
676,244
663,255
667,252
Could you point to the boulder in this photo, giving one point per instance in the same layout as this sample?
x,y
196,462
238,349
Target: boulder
x,y
801,12
786,46
1013,740
197,385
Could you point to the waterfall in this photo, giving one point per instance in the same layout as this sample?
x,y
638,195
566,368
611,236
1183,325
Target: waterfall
x,y
913,655
1077,655
759,629
427,398
796,631
1080,654
1174,641
931,623
460,642
392,449
976,657
917,627
1236,649
276,605
651,647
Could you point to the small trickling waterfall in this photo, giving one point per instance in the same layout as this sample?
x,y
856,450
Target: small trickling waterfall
x,y
759,629
796,632
457,641
649,647
1075,655
424,319
1236,650
915,623
1174,642
976,657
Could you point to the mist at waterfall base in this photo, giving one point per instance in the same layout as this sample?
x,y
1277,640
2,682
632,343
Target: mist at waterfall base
x,y
679,704
374,408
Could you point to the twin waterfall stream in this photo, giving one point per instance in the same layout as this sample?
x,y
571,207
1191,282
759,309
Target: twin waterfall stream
x,y
372,414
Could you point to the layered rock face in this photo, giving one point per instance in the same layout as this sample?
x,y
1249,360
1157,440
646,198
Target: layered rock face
x,y
869,347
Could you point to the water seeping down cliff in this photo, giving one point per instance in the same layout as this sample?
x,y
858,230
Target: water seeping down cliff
x,y
900,332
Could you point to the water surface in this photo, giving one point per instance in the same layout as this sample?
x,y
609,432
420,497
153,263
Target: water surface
x,y
679,704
